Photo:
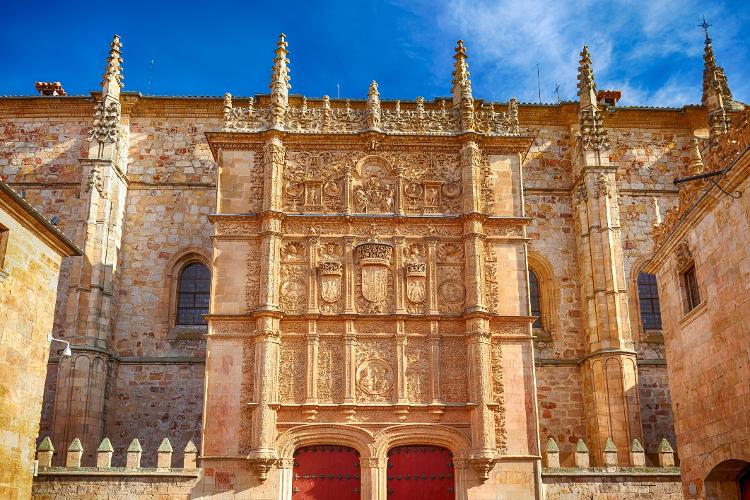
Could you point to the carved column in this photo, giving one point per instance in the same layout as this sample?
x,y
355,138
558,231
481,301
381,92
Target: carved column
x,y
374,478
435,390
350,360
350,302
475,272
479,376
399,275
471,157
400,190
348,189
313,343
401,392
432,279
273,172
267,346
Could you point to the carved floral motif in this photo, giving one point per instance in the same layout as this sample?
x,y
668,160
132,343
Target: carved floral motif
x,y
453,370
418,370
292,371
375,374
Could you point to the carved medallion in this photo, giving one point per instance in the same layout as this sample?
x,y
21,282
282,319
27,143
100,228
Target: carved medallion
x,y
374,259
452,291
374,377
330,281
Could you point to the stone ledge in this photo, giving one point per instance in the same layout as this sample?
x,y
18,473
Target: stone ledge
x,y
118,471
612,471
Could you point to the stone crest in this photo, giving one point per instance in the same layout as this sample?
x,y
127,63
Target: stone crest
x,y
374,259
330,281
416,275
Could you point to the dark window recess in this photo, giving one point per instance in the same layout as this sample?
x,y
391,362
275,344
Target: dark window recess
x,y
193,294
691,288
536,299
648,298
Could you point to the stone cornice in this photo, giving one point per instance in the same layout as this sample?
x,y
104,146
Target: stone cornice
x,y
32,220
374,141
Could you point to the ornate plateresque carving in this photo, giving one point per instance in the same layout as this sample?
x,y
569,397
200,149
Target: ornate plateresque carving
x,y
374,261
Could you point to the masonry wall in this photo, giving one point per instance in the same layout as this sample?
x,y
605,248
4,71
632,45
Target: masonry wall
x,y
647,160
28,282
707,346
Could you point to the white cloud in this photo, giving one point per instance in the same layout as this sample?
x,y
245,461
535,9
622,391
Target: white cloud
x,y
652,50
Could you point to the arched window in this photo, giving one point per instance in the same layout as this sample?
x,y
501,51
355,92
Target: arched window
x,y
535,294
193,293
648,301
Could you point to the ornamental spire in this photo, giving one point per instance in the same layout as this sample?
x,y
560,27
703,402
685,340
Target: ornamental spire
x,y
280,82
112,77
104,132
592,134
462,97
461,81
373,107
716,94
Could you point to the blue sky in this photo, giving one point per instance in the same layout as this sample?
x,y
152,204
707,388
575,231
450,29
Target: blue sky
x,y
652,51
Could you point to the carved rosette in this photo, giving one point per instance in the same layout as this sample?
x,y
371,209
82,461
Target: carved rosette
x,y
374,261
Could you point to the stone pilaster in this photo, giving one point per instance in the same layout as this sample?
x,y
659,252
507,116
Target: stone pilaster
x,y
80,398
609,372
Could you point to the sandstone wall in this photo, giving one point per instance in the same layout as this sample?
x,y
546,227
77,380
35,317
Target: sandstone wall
x,y
28,282
612,486
707,346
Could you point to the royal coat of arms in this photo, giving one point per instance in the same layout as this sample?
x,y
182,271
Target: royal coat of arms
x,y
330,281
374,259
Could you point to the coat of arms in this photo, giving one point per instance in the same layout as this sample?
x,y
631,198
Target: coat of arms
x,y
330,281
374,259
416,275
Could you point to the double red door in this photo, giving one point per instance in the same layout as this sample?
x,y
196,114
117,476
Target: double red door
x,y
420,472
326,473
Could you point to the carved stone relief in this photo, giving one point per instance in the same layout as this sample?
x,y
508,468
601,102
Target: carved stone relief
x,y
292,370
498,396
418,370
375,277
330,370
374,189
490,270
247,394
453,370
316,181
375,371
416,277
252,287
330,275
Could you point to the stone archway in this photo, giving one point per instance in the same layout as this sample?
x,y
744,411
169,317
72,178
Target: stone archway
x,y
729,480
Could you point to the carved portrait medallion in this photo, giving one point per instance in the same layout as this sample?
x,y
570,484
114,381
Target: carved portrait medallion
x,y
374,377
452,291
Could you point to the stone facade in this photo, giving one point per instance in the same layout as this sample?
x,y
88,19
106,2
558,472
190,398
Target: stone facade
x,y
31,253
457,195
706,332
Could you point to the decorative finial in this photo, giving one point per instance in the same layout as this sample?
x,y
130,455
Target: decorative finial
x,y
695,166
461,81
586,84
717,97
373,107
112,77
462,97
280,82
592,134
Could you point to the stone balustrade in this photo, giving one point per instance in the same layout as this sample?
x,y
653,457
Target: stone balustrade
x,y
104,455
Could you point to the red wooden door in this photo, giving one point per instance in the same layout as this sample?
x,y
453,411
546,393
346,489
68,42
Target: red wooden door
x,y
420,472
326,473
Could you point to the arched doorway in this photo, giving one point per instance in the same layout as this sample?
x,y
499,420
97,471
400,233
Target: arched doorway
x,y
326,472
417,471
729,480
